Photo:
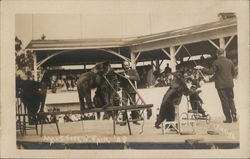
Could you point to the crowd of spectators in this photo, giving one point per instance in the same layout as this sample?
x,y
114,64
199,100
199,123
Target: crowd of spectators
x,y
64,82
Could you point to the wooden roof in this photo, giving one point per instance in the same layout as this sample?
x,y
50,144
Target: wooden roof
x,y
89,51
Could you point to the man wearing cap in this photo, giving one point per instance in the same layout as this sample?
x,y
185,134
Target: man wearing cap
x,y
224,71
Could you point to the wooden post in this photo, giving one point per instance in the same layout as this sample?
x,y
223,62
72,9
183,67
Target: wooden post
x,y
34,65
85,68
127,120
222,45
157,65
172,59
133,62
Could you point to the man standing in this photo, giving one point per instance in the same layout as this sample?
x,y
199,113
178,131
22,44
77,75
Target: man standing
x,y
224,70
128,92
167,69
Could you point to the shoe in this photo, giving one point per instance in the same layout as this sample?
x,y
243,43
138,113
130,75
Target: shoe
x,y
136,123
204,115
227,121
157,126
235,119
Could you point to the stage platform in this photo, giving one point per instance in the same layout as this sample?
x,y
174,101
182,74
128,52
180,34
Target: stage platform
x,y
98,134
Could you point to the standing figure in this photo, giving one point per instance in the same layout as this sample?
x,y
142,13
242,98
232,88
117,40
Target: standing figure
x,y
224,71
171,98
128,92
167,69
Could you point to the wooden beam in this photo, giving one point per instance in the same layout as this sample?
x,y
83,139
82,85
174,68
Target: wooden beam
x,y
51,56
176,52
161,62
94,110
228,42
136,58
168,54
34,66
115,53
217,47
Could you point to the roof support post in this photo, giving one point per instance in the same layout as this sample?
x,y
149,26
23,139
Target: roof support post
x,y
222,45
133,60
172,58
34,65
133,63
85,68
157,65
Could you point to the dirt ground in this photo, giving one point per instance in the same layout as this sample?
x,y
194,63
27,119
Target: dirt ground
x,y
101,131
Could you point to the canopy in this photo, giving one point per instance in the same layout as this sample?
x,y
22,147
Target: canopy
x,y
195,41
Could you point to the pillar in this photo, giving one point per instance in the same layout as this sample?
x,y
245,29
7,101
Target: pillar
x,y
157,65
133,62
222,45
85,68
35,65
172,63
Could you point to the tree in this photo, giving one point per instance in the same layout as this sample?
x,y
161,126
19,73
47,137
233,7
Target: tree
x,y
24,60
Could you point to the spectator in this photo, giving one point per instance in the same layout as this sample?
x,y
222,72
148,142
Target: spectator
x,y
167,69
224,71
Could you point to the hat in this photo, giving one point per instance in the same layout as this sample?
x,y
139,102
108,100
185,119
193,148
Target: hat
x,y
220,51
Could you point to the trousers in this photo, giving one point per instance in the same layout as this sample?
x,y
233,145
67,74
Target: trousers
x,y
227,102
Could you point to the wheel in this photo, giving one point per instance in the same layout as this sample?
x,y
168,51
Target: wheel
x,y
184,118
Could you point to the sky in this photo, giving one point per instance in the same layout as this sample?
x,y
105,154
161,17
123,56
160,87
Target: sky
x,y
116,19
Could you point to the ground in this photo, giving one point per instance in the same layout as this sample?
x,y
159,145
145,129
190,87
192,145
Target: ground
x,y
101,131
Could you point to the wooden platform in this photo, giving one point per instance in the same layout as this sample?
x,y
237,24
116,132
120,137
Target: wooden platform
x,y
97,134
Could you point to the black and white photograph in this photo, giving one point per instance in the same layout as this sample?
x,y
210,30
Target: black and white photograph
x,y
131,79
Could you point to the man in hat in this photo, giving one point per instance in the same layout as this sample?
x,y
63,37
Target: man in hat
x,y
128,92
224,71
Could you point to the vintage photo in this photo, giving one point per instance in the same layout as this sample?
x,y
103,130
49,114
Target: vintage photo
x,y
128,76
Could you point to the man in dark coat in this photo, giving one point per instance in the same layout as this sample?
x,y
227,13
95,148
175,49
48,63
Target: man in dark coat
x,y
128,92
224,71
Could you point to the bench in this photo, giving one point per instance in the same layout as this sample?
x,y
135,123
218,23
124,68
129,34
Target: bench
x,y
95,110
